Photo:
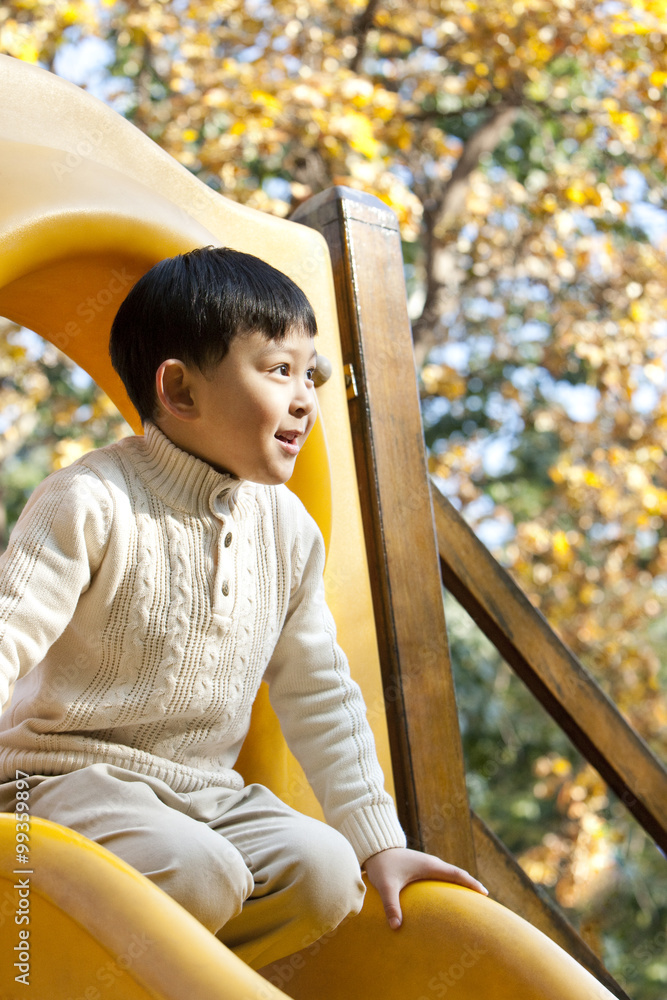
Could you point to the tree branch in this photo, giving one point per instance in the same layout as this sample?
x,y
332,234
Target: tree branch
x,y
443,205
484,140
362,25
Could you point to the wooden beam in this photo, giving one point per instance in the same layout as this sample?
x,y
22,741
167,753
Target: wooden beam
x,y
364,243
508,884
551,671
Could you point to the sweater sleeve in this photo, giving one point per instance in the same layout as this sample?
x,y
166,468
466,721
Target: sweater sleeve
x,y
322,713
53,551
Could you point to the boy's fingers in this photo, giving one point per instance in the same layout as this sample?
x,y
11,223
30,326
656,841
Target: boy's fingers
x,y
474,883
389,871
459,876
392,906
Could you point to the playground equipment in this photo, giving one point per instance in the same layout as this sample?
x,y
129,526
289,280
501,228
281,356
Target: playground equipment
x,y
87,205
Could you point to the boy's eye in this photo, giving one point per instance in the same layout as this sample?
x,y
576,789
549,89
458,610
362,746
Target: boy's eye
x,y
283,369
310,372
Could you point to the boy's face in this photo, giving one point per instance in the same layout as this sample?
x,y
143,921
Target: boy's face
x,y
257,407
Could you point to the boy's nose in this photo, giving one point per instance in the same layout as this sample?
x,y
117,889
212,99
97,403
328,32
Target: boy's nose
x,y
303,401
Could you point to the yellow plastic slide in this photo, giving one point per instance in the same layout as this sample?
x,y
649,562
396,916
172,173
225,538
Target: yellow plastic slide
x,y
87,205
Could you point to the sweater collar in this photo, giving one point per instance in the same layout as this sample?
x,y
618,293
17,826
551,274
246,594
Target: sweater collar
x,y
184,481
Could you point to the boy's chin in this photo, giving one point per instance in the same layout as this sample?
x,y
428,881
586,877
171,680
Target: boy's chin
x,y
270,477
277,480
265,474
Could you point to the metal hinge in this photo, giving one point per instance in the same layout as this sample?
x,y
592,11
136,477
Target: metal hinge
x,y
350,382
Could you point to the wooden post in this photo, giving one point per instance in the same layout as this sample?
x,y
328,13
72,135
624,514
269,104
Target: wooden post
x,y
427,758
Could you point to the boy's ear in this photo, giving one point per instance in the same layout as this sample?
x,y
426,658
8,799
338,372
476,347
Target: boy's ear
x,y
173,386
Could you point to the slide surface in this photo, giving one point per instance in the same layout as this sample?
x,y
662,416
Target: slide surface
x,y
76,923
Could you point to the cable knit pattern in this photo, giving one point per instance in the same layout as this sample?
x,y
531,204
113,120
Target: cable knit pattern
x,y
143,598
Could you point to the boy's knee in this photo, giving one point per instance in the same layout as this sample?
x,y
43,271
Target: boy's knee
x,y
210,880
330,884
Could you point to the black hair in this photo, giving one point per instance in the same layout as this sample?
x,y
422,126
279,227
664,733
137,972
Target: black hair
x,y
192,306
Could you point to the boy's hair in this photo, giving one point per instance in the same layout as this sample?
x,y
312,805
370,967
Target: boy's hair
x,y
191,307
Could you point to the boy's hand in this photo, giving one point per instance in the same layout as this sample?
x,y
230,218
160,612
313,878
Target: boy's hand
x,y
391,870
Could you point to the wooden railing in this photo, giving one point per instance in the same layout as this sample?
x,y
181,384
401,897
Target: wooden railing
x,y
408,566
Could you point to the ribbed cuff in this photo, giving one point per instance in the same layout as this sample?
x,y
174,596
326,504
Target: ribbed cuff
x,y
373,829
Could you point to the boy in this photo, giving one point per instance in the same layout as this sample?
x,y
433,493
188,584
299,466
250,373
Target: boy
x,y
150,587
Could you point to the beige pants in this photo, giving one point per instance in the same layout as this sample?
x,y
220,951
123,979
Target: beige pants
x,y
264,878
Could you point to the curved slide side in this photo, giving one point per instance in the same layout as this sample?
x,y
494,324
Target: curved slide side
x,y
453,942
98,930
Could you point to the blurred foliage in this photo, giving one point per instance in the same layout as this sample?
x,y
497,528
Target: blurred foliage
x,y
50,413
554,812
523,147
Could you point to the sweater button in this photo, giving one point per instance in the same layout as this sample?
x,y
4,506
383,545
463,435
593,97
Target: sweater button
x,y
225,588
228,539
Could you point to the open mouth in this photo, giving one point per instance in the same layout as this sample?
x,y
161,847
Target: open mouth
x,y
289,440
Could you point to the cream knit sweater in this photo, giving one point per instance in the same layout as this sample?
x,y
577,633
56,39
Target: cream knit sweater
x,y
143,598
